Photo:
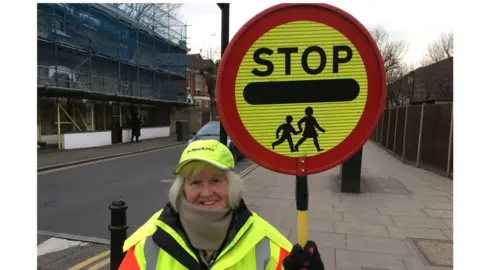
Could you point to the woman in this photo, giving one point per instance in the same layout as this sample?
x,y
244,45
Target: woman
x,y
206,224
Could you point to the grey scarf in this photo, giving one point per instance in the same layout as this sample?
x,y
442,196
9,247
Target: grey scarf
x,y
205,228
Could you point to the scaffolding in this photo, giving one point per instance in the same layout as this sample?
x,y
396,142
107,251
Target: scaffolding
x,y
97,63
101,48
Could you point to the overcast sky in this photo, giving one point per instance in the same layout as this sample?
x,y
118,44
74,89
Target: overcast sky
x,y
415,22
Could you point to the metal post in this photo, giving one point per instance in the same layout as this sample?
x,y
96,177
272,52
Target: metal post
x,y
138,67
405,132
169,45
301,200
92,117
39,124
90,52
120,113
118,58
55,49
450,144
419,145
225,37
58,125
74,118
389,110
154,55
395,132
104,116
118,232
381,128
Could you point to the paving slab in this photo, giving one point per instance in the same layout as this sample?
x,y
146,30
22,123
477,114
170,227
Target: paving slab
x,y
448,221
361,229
372,230
438,213
419,222
349,259
407,232
379,245
438,253
367,218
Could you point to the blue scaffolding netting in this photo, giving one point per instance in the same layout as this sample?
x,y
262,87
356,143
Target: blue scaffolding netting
x,y
155,41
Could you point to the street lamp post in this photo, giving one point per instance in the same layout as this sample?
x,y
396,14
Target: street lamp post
x,y
225,8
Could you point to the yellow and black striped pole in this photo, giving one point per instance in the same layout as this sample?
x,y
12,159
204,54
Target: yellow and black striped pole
x,y
301,199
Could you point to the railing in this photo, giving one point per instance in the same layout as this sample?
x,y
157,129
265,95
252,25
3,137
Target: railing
x,y
59,77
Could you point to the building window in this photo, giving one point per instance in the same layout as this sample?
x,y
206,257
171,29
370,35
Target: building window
x,y
59,21
189,77
198,81
124,39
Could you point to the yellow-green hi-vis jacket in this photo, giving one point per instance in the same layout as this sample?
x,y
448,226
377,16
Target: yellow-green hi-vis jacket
x,y
160,244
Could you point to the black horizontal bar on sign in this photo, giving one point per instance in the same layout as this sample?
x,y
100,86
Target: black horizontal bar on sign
x,y
311,91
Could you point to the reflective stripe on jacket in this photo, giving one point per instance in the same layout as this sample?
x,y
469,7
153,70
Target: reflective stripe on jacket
x,y
251,243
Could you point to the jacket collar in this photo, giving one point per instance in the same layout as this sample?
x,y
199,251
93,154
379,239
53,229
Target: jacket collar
x,y
165,241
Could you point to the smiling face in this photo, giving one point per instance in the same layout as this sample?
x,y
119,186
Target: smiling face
x,y
207,190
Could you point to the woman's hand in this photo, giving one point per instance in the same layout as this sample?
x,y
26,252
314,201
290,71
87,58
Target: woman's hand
x,y
304,259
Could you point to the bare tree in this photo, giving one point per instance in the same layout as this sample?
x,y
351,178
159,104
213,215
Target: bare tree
x,y
411,78
392,51
428,78
210,75
438,80
153,15
441,48
396,86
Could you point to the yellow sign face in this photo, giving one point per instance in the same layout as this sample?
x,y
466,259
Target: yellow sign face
x,y
301,85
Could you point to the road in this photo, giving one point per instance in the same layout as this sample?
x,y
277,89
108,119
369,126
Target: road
x,y
75,200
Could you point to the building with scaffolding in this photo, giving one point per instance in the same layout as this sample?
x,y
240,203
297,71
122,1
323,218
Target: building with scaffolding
x,y
100,63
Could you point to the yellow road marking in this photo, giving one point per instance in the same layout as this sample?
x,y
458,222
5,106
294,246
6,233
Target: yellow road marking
x,y
90,260
249,169
100,264
167,181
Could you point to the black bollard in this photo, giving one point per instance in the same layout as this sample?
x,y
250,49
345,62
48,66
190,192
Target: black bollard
x,y
118,232
351,173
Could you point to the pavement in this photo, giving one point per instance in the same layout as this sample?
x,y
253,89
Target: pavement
x,y
402,220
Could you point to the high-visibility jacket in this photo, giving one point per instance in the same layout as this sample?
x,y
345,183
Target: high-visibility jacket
x,y
161,243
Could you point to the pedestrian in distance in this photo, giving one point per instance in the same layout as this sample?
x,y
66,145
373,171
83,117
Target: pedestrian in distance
x,y
207,225
136,125
287,129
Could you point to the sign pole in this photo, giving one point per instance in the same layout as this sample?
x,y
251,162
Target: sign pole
x,y
225,37
301,198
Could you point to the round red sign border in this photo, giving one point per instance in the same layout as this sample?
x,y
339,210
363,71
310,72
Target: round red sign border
x,y
251,32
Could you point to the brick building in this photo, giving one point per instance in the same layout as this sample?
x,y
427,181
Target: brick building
x,y
196,85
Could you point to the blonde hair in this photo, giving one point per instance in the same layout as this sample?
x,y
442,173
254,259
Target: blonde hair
x,y
193,168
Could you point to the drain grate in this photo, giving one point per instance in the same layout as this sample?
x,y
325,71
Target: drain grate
x,y
437,252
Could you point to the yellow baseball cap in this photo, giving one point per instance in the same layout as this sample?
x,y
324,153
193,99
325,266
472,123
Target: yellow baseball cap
x,y
211,151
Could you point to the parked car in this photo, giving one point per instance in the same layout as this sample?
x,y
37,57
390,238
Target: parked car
x,y
211,131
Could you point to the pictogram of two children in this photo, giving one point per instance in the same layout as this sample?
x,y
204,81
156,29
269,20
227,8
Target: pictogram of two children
x,y
310,131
